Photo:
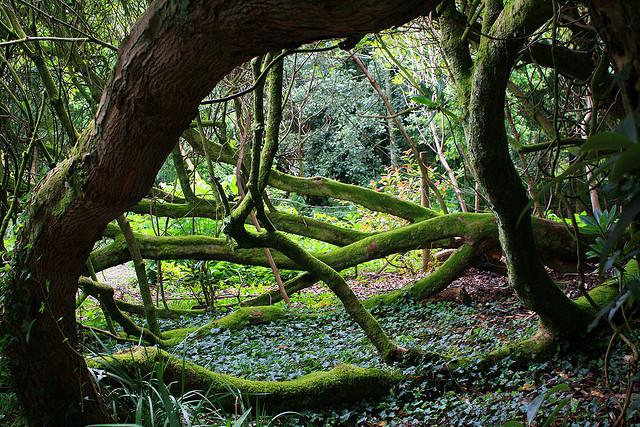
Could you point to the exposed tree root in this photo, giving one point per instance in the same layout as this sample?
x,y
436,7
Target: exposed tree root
x,y
342,385
546,341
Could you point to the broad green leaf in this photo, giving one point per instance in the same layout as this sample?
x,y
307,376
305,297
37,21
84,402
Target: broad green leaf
x,y
628,215
606,141
628,128
423,100
534,407
554,414
626,163
557,388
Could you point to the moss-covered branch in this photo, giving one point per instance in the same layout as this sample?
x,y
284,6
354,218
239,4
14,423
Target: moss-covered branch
x,y
449,271
552,239
141,274
370,199
387,349
183,247
409,237
342,385
162,313
432,284
104,293
236,320
289,223
319,186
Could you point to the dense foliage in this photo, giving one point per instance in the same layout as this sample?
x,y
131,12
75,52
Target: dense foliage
x,y
452,202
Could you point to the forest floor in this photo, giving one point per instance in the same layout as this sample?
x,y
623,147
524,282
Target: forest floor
x,y
316,335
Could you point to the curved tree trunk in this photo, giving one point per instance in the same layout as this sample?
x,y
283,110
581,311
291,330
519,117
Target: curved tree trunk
x,y
481,85
489,148
173,57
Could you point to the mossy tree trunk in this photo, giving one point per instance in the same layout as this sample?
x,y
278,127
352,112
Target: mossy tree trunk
x,y
342,385
183,175
481,85
171,60
264,146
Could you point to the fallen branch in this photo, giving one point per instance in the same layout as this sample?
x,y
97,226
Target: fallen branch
x,y
342,385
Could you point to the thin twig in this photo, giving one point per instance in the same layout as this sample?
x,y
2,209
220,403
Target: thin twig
x,y
264,73
38,39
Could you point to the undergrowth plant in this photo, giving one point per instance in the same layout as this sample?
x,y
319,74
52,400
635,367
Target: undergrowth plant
x,y
146,399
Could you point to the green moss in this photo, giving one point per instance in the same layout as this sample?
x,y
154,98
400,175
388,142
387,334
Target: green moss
x,y
521,352
380,202
184,247
526,350
162,313
385,299
410,237
249,315
450,270
608,291
341,385
238,319
431,284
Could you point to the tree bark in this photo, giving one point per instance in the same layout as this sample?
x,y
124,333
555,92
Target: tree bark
x,y
482,85
171,60
489,148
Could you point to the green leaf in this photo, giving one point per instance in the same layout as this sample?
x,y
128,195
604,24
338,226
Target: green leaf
x,y
628,127
243,417
606,141
628,215
554,414
534,407
627,162
557,388
423,100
